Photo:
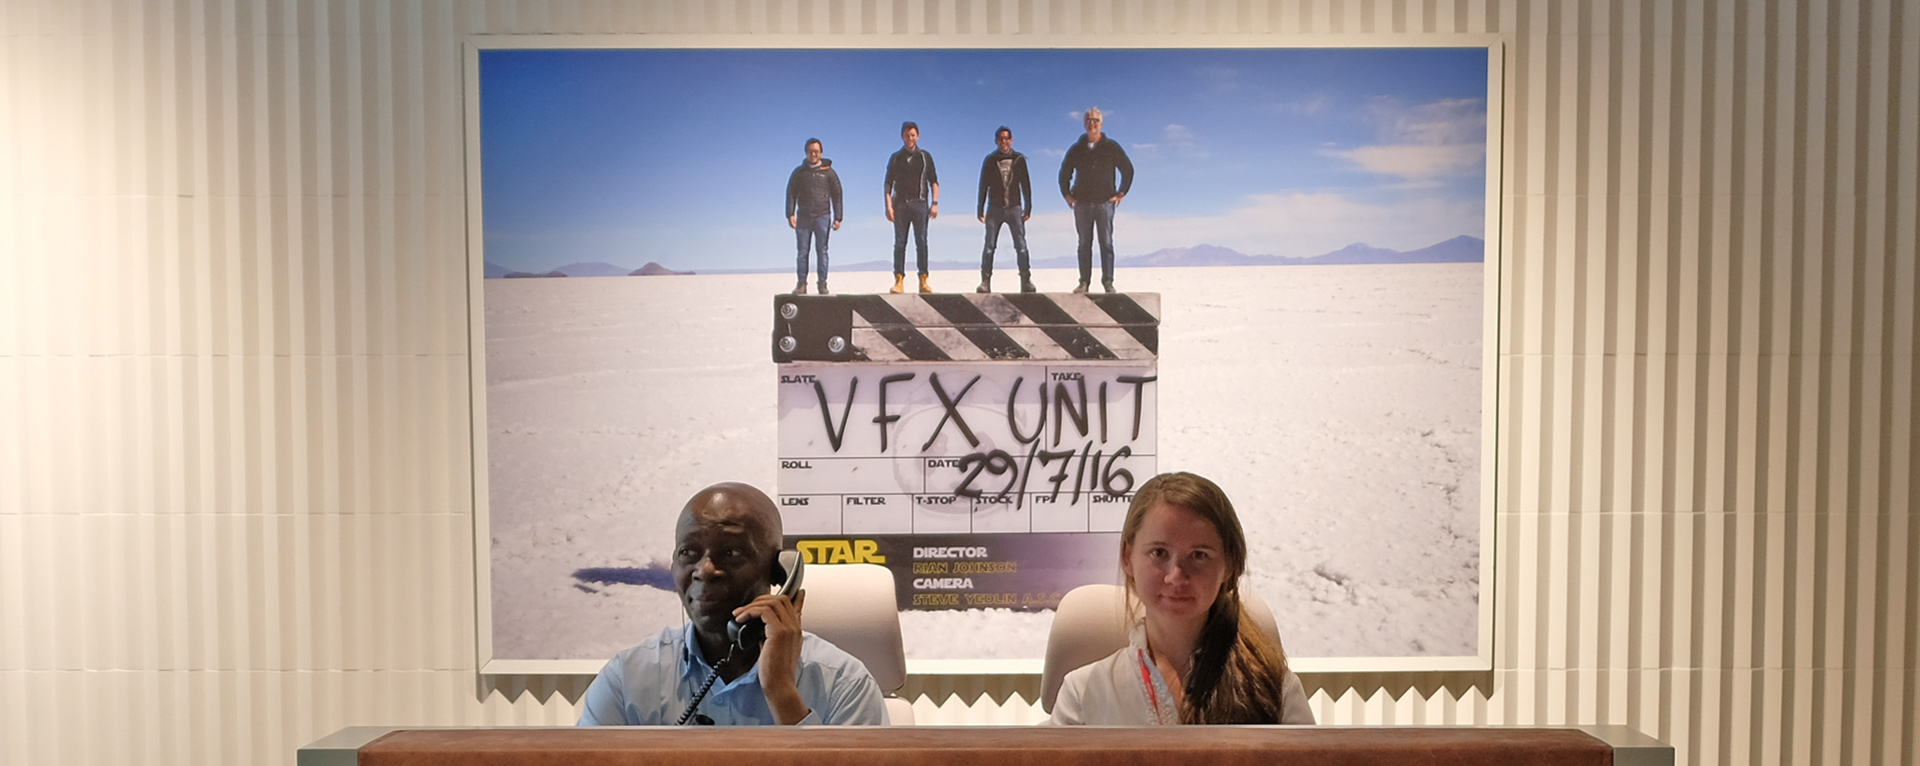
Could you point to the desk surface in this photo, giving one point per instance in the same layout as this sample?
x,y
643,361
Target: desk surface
x,y
998,746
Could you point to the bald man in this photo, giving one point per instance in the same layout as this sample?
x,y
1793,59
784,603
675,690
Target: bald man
x,y
726,541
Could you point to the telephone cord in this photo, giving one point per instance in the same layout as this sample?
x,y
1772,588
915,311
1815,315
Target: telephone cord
x,y
704,688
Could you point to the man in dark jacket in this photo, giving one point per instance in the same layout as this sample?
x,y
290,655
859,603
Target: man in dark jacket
x,y
1006,197
813,205
1086,180
912,193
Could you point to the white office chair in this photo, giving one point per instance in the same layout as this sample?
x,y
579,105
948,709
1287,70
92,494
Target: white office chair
x,y
852,606
1091,623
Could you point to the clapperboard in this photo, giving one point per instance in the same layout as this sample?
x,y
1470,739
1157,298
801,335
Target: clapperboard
x,y
983,446
966,327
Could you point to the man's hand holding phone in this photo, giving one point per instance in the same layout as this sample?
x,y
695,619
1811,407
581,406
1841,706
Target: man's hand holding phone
x,y
780,655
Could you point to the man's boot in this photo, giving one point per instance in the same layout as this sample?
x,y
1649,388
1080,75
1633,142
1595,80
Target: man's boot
x,y
1108,284
1080,288
823,287
923,284
1026,285
986,284
899,282
800,287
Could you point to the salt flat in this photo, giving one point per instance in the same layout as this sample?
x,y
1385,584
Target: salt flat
x,y
1338,405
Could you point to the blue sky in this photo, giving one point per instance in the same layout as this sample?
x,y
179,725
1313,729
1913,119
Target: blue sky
x,y
681,156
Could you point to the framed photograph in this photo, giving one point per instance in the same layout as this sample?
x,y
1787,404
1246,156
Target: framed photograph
x,y
1303,308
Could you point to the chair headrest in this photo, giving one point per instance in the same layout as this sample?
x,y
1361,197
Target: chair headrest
x,y
853,607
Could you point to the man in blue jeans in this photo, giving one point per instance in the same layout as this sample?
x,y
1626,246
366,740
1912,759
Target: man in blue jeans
x,y
1006,197
813,205
912,192
1086,180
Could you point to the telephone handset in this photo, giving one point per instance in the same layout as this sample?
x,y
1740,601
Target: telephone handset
x,y
787,570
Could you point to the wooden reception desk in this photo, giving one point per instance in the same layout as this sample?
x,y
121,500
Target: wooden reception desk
x,y
992,746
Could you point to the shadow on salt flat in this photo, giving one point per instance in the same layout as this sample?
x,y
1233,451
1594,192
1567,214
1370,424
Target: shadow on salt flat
x,y
657,576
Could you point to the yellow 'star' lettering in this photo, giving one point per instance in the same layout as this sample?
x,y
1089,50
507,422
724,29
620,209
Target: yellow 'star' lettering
x,y
842,552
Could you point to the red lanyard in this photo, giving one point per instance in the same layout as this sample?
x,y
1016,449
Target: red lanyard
x,y
1146,679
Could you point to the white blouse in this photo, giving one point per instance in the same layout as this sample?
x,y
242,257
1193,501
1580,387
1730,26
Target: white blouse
x,y
1126,689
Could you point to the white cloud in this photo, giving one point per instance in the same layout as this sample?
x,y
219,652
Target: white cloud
x,y
1218,79
1174,138
1308,107
1447,121
1415,161
1423,142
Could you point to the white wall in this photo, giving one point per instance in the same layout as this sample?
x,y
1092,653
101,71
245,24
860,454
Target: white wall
x,y
234,486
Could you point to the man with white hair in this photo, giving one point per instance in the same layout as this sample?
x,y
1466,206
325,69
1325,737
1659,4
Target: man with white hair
x,y
1087,182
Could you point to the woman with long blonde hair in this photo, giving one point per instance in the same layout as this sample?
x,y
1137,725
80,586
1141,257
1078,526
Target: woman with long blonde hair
x,y
1195,657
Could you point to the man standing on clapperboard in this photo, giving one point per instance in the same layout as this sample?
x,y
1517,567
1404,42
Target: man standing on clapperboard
x,y
912,193
1086,180
813,210
1006,197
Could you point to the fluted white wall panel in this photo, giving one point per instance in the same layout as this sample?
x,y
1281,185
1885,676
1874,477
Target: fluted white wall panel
x,y
234,485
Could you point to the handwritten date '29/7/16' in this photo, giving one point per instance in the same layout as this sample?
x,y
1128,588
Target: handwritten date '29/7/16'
x,y
1091,470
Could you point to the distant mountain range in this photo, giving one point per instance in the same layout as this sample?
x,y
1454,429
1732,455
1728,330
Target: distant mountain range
x,y
1461,249
583,269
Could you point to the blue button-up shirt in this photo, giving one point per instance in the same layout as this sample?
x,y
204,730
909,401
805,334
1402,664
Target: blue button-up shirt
x,y
651,684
